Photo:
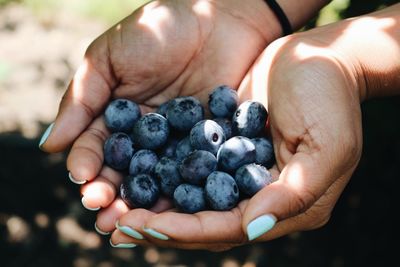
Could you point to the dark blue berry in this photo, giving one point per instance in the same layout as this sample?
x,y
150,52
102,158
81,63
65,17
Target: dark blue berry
x,y
252,178
151,131
118,151
197,166
223,102
140,191
162,109
143,162
235,153
207,135
221,191
189,198
169,149
184,112
226,126
167,171
249,119
120,115
264,151
183,149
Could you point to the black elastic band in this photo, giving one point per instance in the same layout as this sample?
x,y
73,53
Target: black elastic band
x,y
281,16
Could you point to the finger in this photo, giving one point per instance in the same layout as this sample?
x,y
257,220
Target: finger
x,y
315,217
121,240
85,159
302,181
130,231
86,96
201,227
101,191
108,217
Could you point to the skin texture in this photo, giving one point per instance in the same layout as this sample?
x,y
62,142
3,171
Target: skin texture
x,y
314,112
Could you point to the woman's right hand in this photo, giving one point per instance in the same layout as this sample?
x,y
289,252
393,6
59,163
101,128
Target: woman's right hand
x,y
163,50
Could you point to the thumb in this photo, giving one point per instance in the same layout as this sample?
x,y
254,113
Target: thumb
x,y
86,96
302,182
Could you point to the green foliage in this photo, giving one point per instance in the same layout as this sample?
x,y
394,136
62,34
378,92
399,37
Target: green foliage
x,y
109,11
4,2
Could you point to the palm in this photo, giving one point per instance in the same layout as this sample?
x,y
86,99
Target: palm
x,y
181,53
159,52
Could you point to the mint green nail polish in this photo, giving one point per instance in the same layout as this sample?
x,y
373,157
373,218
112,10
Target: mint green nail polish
x,y
83,204
122,245
155,234
75,181
99,231
260,226
46,135
129,231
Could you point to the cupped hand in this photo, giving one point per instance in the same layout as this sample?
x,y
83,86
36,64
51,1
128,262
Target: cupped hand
x,y
163,50
313,100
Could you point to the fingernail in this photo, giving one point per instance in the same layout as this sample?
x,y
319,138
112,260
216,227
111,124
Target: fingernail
x,y
155,234
75,181
99,231
123,245
46,135
83,204
260,226
129,231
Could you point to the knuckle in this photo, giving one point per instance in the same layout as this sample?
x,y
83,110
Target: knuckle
x,y
301,201
316,222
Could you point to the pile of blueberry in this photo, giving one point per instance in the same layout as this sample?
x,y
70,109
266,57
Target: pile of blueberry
x,y
199,163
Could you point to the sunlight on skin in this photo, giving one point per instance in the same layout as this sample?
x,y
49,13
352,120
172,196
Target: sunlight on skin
x,y
153,17
305,51
374,32
294,178
202,8
80,75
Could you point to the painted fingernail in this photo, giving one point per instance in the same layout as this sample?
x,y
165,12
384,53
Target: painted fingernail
x,y
155,234
75,181
99,231
260,226
123,245
46,135
83,204
129,231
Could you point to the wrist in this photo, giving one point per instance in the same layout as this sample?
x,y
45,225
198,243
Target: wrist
x,y
300,12
370,48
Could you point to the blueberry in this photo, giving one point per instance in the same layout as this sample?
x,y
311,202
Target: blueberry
x,y
120,115
184,112
249,119
162,109
183,149
167,171
118,151
207,135
197,166
223,102
140,191
169,149
235,153
252,178
221,191
264,151
143,162
151,131
189,198
226,126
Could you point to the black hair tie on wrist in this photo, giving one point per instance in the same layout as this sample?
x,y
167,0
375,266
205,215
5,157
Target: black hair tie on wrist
x,y
281,16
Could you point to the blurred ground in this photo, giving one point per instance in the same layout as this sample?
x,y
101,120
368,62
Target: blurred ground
x,y
42,222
